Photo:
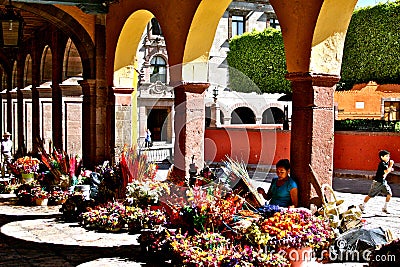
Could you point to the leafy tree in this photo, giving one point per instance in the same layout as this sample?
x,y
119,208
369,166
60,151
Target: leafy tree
x,y
372,46
257,62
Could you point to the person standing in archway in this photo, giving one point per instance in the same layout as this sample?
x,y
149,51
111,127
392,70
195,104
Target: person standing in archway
x,y
6,151
147,140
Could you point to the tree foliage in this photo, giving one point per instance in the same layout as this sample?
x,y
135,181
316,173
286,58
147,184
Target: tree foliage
x,y
257,62
372,46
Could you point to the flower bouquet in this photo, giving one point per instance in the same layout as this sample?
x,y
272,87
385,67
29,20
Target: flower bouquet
x,y
297,228
153,218
26,167
109,217
57,197
60,165
133,218
40,196
213,249
144,193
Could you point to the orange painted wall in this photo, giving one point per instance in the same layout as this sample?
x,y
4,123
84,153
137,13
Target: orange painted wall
x,y
253,146
352,150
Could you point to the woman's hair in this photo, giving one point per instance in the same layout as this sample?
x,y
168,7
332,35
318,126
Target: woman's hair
x,y
284,163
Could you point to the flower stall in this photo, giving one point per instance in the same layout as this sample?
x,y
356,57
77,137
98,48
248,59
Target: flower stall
x,y
201,222
218,223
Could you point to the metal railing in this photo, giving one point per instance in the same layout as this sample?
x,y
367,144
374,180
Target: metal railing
x,y
158,154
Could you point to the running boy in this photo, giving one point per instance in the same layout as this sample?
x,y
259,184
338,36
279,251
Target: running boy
x,y
379,184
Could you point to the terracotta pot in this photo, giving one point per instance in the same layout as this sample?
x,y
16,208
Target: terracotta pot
x,y
41,201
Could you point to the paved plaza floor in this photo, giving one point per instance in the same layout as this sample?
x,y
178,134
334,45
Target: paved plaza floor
x,y
35,236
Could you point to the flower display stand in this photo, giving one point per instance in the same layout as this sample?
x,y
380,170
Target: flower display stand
x,y
41,201
27,177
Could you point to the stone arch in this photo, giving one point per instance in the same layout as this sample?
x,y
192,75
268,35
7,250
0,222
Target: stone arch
x,y
177,26
311,44
200,38
72,23
273,115
27,71
46,64
72,63
239,105
129,39
243,115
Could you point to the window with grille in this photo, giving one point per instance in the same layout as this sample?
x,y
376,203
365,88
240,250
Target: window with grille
x,y
158,69
237,25
392,110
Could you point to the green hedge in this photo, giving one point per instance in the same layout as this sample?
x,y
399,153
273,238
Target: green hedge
x,y
369,125
257,62
371,53
372,46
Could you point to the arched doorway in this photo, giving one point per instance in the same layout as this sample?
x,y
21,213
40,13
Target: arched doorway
x,y
273,115
157,123
243,115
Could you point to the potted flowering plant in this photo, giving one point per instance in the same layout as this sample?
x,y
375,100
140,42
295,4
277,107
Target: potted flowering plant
x,y
144,193
40,196
26,167
57,197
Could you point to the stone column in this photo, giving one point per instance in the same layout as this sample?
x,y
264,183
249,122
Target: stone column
x,y
35,98
89,143
35,118
104,99
20,123
56,97
227,120
56,115
189,127
312,133
213,122
142,124
123,118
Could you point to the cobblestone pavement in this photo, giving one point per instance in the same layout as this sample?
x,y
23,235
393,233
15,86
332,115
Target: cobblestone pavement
x,y
35,236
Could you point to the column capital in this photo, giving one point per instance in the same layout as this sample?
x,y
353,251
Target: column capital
x,y
88,86
123,90
198,88
317,79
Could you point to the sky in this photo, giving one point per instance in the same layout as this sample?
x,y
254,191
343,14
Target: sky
x,y
363,3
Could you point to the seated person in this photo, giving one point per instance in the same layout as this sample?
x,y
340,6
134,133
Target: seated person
x,y
283,189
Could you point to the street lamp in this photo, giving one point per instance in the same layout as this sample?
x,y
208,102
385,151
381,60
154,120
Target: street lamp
x,y
215,93
12,24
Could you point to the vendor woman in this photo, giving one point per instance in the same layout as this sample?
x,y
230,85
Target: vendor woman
x,y
283,189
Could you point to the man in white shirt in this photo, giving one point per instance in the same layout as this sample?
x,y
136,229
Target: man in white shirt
x,y
6,148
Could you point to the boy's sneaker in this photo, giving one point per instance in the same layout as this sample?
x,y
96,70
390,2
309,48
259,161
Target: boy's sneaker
x,y
385,211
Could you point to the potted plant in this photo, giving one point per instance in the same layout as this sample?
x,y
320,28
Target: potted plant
x,y
40,196
26,167
57,197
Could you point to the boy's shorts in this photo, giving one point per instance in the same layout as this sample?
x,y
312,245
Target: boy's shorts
x,y
377,187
